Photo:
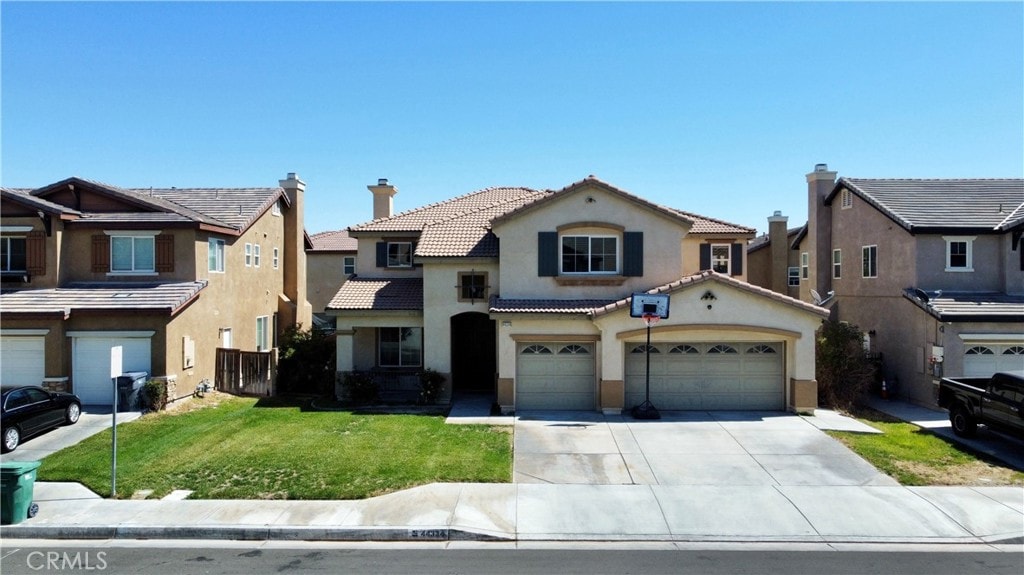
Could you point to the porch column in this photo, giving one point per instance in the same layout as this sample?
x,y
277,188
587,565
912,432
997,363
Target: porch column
x,y
345,348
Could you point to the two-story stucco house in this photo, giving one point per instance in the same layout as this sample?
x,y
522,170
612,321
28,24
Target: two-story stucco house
x,y
330,260
168,275
525,294
931,269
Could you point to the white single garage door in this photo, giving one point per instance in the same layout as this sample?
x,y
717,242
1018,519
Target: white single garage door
x,y
22,360
556,376
984,359
708,376
90,363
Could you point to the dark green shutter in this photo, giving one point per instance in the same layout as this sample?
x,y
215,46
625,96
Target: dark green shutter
x,y
382,254
632,253
737,259
705,257
547,254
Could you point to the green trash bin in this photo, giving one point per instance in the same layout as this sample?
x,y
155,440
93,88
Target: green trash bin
x,y
17,481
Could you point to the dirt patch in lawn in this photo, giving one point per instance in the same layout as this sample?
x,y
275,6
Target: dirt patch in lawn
x,y
976,473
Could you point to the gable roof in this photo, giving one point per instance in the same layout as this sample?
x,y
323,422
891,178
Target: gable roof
x,y
333,241
942,205
25,198
416,219
228,210
711,276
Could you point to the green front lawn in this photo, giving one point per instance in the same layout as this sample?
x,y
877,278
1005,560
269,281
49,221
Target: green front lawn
x,y
272,449
915,456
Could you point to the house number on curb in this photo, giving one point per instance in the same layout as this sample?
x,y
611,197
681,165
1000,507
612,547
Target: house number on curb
x,y
427,533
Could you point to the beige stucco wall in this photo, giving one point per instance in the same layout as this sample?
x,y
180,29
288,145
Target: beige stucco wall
x,y
441,303
663,257
862,225
325,274
691,252
366,258
557,327
356,335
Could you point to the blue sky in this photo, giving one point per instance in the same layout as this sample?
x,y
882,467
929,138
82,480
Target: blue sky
x,y
714,108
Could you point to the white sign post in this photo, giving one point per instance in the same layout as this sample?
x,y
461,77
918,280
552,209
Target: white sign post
x,y
116,369
652,308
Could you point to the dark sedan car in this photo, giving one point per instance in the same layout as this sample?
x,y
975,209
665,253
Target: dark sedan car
x,y
28,410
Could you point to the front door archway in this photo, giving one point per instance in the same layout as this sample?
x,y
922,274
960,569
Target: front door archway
x,y
474,354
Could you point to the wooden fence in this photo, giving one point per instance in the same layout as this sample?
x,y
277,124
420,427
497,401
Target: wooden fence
x,y
244,372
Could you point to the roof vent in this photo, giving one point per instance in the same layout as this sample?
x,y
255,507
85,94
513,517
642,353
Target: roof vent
x,y
382,181
820,167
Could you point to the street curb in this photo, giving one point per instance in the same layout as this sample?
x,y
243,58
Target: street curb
x,y
246,533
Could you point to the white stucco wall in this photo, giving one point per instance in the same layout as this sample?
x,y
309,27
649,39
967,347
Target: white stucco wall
x,y
441,303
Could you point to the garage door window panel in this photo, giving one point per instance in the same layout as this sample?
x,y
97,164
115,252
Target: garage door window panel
x,y
574,350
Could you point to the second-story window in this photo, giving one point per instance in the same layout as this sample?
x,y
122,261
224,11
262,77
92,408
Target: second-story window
x,y
794,276
837,264
590,254
248,255
12,254
720,258
399,254
805,265
472,286
959,253
348,265
215,250
132,254
276,258
869,261
256,255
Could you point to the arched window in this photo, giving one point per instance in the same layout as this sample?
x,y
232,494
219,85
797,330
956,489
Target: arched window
x,y
645,348
761,348
536,350
1014,350
979,350
573,350
684,349
721,348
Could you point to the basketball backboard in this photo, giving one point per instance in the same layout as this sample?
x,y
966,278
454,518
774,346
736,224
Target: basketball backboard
x,y
649,303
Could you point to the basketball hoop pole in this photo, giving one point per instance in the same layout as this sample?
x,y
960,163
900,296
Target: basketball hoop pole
x,y
646,410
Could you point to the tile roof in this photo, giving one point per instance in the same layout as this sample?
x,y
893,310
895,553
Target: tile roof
x,y
970,306
236,207
333,241
24,197
379,294
417,219
469,234
951,204
167,298
764,240
709,275
706,225
579,306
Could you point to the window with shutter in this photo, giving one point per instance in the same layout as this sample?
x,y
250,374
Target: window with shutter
x,y
633,254
100,253
547,254
165,253
35,253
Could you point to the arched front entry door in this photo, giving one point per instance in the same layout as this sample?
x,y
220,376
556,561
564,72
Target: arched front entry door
x,y
474,354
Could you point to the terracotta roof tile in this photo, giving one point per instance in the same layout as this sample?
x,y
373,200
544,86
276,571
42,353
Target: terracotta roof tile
x,y
334,241
379,294
706,225
968,204
580,306
415,220
154,297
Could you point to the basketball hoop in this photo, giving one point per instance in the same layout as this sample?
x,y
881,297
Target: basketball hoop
x,y
651,319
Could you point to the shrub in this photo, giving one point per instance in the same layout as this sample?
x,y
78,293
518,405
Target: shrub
x,y
154,394
843,369
306,361
431,383
360,387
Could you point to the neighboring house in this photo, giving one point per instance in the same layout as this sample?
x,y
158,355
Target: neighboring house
x,y
524,294
931,269
169,275
771,261
330,260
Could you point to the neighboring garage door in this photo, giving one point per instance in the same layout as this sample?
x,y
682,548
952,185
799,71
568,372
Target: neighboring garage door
x,y
556,376
91,365
984,359
22,360
708,376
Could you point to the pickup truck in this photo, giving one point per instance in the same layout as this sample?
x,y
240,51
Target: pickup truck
x,y
996,401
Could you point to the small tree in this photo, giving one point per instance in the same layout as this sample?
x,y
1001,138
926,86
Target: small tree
x,y
306,363
154,394
844,371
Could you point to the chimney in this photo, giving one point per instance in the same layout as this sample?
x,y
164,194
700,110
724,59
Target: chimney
x,y
383,194
819,232
779,250
293,256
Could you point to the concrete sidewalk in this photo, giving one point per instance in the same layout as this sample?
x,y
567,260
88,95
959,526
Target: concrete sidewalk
x,y
542,512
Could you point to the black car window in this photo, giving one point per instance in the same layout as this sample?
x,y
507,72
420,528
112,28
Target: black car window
x,y
16,399
37,395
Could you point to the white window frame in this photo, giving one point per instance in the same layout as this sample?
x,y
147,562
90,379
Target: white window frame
x,y
263,333
969,244
276,258
805,265
248,255
717,260
869,261
419,361
590,246
133,235
215,255
793,273
348,265
256,255
397,256
276,209
6,240
837,264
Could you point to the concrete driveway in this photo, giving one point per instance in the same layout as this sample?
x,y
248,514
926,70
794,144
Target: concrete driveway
x,y
721,448
94,420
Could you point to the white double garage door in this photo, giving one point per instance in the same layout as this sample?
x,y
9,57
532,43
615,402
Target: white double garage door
x,y
683,376
23,361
